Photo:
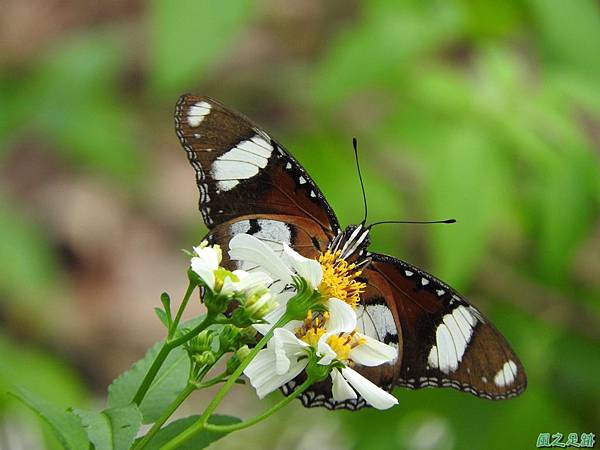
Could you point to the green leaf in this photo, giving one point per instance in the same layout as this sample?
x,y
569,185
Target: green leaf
x,y
189,36
201,440
170,380
111,429
65,426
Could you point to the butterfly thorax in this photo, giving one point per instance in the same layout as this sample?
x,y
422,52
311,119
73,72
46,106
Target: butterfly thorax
x,y
352,244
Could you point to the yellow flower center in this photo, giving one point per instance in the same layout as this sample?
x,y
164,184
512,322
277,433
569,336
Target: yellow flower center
x,y
339,279
342,344
312,328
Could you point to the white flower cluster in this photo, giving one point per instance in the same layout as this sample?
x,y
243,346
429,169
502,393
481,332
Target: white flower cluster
x,y
330,335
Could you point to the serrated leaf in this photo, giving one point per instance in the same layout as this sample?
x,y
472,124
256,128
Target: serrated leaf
x,y
201,440
111,429
170,380
65,425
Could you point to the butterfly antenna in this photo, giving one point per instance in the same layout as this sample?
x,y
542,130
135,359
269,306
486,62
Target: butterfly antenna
x,y
413,222
362,185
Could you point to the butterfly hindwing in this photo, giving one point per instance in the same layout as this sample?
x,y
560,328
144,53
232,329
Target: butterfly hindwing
x,y
448,342
240,170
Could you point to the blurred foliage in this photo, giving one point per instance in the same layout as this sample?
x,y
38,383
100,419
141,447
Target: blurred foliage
x,y
477,110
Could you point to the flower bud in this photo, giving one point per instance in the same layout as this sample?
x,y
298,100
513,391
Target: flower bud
x,y
260,303
206,358
229,338
201,343
236,359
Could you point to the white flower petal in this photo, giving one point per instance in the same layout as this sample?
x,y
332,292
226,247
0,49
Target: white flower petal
x,y
325,350
271,318
261,368
309,269
229,286
373,352
341,390
287,348
210,255
244,247
372,393
275,381
342,317
204,271
250,281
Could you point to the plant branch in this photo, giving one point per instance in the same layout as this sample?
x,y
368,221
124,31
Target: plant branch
x,y
247,423
199,425
184,302
164,352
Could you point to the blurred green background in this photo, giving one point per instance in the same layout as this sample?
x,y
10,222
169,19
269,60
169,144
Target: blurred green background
x,y
485,111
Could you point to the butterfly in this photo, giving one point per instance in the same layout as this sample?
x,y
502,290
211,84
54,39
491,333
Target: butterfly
x,y
249,183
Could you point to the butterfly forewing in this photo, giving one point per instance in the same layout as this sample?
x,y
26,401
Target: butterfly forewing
x,y
447,341
240,170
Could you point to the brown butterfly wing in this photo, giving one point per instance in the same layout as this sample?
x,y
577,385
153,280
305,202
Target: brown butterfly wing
x,y
241,170
446,341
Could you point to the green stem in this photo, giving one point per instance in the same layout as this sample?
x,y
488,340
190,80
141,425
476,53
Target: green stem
x,y
247,423
191,387
184,302
162,355
199,425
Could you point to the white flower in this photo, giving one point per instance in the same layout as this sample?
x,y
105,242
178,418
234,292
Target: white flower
x,y
254,286
206,262
246,282
285,357
244,247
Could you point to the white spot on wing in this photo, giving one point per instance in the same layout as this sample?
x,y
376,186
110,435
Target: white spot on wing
x,y
376,320
239,227
506,376
274,232
408,273
424,281
197,112
452,338
302,180
241,162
